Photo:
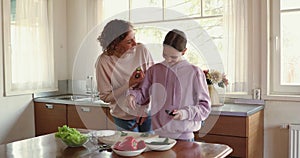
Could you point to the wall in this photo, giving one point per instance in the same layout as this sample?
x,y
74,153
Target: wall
x,y
83,47
276,114
17,114
77,30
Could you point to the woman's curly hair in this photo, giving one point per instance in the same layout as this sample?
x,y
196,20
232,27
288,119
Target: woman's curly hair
x,y
113,33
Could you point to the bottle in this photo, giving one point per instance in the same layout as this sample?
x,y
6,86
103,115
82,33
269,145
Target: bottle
x,y
138,70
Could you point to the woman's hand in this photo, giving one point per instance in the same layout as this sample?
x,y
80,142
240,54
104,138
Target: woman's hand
x,y
140,120
136,78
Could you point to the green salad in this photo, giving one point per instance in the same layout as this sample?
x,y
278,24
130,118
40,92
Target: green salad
x,y
71,136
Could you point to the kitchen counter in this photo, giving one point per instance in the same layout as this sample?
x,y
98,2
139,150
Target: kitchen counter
x,y
227,109
236,109
55,100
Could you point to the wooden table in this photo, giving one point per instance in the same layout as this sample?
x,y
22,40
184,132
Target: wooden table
x,y
47,146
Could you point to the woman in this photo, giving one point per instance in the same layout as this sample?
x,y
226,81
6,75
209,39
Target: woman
x,y
115,74
179,93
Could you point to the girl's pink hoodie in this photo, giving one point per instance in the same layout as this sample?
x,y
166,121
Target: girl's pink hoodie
x,y
182,87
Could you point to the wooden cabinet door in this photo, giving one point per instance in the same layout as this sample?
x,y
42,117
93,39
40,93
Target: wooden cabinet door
x,y
225,125
88,117
230,130
242,133
48,117
238,144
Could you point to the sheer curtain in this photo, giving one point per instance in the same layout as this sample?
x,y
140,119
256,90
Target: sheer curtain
x,y
236,44
32,61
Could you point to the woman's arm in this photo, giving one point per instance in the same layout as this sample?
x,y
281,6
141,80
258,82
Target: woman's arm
x,y
107,92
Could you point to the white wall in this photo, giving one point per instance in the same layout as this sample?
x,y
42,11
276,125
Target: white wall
x,y
77,29
60,39
276,114
83,47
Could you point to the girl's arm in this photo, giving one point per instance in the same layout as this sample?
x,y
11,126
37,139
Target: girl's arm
x,y
141,93
202,107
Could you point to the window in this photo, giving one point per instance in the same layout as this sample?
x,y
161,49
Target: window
x,y
29,61
284,50
217,35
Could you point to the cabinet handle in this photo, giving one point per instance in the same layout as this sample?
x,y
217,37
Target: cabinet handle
x,y
49,106
85,109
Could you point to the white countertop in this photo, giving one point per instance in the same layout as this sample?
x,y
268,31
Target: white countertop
x,y
53,100
236,109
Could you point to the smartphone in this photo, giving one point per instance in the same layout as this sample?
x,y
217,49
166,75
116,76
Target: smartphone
x,y
170,112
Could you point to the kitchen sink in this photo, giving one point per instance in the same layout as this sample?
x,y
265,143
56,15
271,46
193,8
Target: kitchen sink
x,y
80,98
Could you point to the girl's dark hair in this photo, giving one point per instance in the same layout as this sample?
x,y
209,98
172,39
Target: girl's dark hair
x,y
176,39
113,33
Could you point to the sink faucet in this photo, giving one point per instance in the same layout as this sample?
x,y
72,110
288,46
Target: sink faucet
x,y
90,89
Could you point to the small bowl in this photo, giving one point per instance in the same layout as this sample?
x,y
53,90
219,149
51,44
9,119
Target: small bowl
x,y
128,153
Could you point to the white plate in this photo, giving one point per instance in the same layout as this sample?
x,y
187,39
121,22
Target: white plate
x,y
107,136
160,147
128,153
104,133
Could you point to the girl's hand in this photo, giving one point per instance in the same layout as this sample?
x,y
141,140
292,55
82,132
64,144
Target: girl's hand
x,y
178,115
131,102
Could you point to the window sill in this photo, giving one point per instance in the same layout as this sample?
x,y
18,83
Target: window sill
x,y
270,97
274,97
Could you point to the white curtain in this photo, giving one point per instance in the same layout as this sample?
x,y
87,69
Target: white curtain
x,y
32,61
235,46
94,13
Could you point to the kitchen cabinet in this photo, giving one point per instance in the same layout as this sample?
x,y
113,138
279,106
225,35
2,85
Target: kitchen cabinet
x,y
48,117
242,133
88,117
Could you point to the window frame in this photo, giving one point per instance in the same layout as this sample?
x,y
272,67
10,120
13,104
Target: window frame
x,y
252,81
7,53
274,86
